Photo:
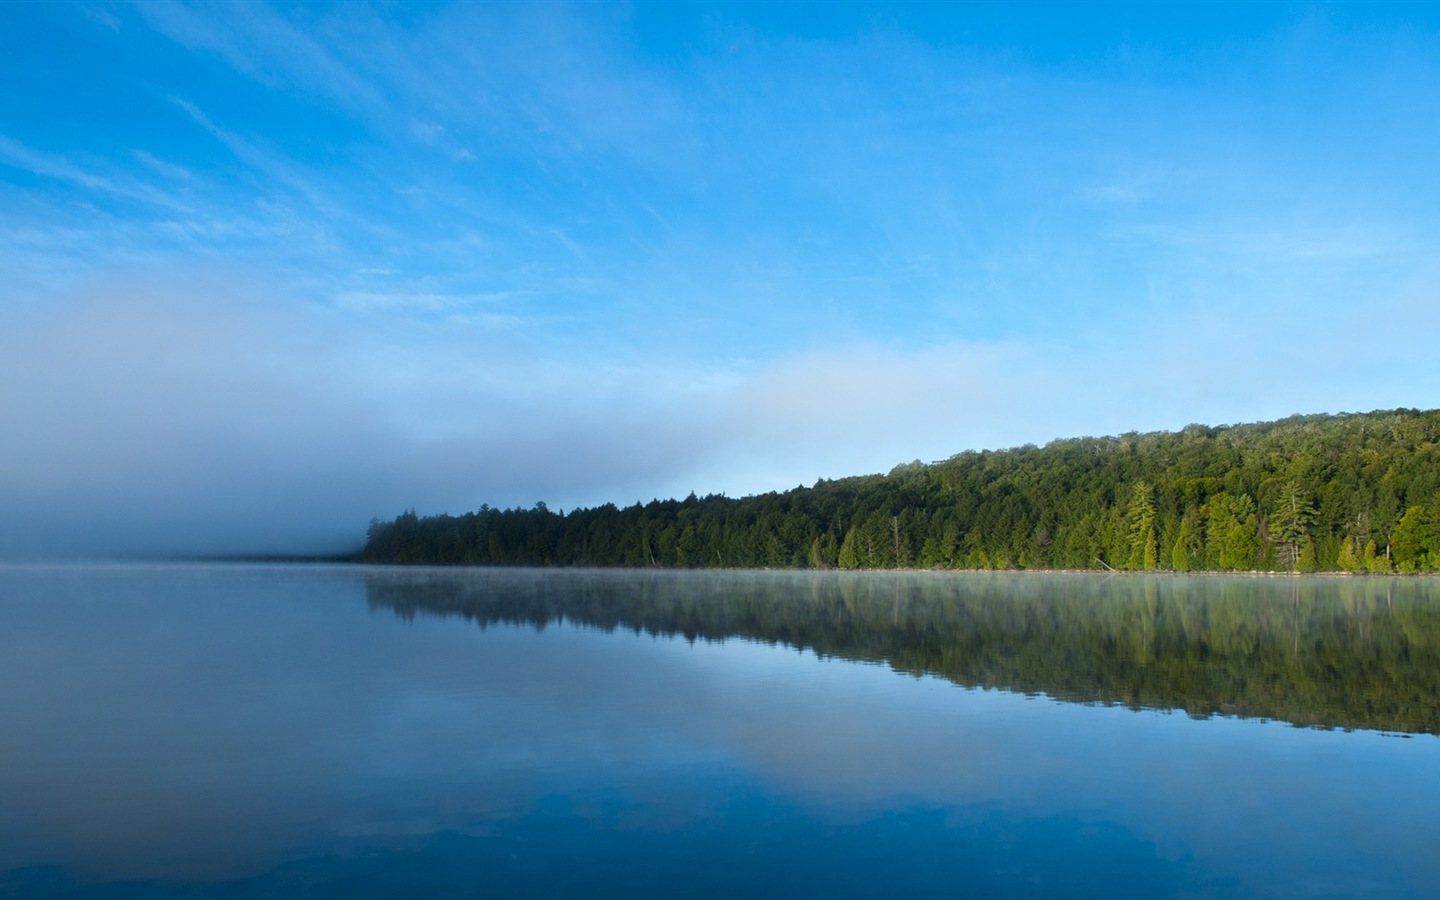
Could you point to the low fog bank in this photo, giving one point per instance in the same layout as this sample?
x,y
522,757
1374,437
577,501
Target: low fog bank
x,y
196,419
148,422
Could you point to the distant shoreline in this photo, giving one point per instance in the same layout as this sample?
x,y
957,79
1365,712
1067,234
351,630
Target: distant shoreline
x,y
1255,573
1349,493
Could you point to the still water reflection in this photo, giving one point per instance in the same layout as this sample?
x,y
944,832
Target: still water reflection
x,y
246,731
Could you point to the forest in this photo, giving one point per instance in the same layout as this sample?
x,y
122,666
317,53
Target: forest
x,y
1351,492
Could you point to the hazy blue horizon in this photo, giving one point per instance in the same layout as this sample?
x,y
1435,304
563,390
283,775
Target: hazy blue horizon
x,y
272,271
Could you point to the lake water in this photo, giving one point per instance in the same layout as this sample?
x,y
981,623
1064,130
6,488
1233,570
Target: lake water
x,y
241,731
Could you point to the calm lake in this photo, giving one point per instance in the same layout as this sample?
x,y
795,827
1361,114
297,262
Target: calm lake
x,y
242,731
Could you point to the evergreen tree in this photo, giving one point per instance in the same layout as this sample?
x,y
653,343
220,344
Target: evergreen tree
x,y
1233,531
1412,539
1348,560
1141,519
849,551
1180,556
1288,524
817,554
1308,561
1189,551
1082,503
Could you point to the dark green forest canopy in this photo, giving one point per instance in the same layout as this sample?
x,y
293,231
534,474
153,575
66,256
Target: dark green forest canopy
x,y
1349,492
1314,652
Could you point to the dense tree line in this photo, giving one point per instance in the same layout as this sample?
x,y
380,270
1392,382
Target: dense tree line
x,y
1350,492
1315,652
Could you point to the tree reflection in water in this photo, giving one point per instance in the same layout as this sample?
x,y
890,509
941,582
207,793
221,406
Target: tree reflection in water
x,y
1354,653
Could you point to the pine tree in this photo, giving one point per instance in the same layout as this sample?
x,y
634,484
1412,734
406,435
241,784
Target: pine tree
x,y
1308,562
817,555
1180,556
1288,525
1411,540
1141,519
849,552
1189,551
1348,560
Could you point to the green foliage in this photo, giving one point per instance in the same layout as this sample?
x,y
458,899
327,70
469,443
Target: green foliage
x,y
1189,551
1289,524
1349,560
1233,531
1180,556
1301,493
1413,540
849,555
1308,561
1373,562
1141,518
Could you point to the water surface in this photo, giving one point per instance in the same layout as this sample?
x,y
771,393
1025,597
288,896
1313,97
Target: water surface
x,y
312,731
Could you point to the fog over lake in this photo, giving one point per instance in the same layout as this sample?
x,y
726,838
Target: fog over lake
x,y
332,731
271,270
516,278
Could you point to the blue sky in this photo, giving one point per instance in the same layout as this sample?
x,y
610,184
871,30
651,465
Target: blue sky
x,y
271,270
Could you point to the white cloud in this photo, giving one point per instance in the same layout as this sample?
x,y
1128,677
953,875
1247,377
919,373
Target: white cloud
x,y
260,42
429,302
1294,242
911,251
207,414
14,153
167,169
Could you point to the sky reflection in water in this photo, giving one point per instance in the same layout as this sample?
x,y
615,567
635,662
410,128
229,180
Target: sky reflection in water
x,y
344,731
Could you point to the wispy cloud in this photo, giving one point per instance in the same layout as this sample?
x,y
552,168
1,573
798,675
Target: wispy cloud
x,y
1300,242
205,417
167,169
262,43
16,154
497,253
430,302
273,166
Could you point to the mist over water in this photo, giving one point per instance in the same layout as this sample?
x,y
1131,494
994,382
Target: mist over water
x,y
242,730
